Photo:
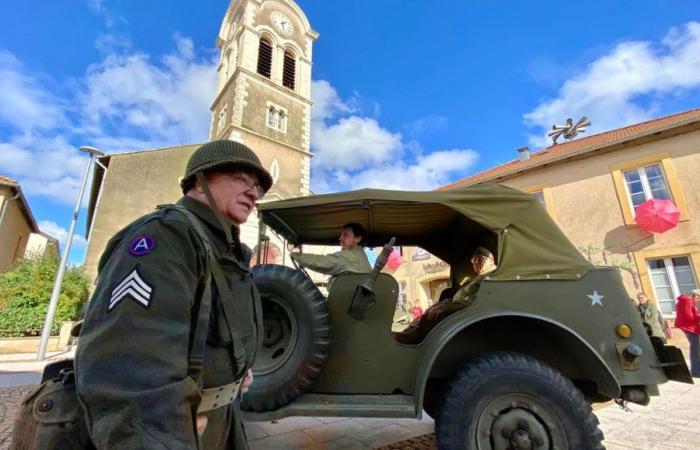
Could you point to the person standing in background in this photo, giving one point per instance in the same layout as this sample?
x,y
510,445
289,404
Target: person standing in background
x,y
688,320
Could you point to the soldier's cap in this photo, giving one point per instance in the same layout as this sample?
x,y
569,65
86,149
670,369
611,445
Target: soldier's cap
x,y
224,155
482,251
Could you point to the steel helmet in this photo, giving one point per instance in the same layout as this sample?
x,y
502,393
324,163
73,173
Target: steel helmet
x,y
224,154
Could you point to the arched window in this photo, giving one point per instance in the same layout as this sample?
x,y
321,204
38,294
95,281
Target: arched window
x,y
265,58
289,72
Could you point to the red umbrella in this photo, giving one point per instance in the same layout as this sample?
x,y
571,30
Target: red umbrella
x,y
657,215
394,261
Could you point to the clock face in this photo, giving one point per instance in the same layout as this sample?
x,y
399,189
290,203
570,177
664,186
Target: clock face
x,y
282,23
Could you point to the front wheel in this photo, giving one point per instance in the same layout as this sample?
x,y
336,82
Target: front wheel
x,y
513,401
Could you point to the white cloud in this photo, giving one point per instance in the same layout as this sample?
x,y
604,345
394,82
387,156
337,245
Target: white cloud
x,y
626,85
429,172
354,151
125,102
44,166
353,142
425,123
110,17
61,234
169,102
108,43
327,102
26,103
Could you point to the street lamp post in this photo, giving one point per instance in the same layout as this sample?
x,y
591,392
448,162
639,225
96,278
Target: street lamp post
x,y
53,303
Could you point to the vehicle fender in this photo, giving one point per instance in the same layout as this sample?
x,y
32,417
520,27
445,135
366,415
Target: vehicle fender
x,y
441,336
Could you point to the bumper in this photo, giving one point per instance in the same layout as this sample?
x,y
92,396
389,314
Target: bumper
x,y
672,362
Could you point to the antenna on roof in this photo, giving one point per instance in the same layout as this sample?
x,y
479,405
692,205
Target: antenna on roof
x,y
569,131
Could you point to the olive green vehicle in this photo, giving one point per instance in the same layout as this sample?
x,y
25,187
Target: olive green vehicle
x,y
547,335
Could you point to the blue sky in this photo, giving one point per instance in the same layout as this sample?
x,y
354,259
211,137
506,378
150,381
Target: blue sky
x,y
425,92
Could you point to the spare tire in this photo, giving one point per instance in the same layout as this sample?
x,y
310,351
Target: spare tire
x,y
295,341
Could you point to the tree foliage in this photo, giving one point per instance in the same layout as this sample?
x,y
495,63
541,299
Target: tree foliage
x,y
25,290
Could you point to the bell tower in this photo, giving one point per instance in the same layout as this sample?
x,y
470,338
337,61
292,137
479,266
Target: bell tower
x,y
263,96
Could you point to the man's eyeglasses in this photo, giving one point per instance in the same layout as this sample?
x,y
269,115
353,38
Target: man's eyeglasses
x,y
249,183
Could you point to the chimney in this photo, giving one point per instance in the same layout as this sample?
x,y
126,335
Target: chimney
x,y
524,153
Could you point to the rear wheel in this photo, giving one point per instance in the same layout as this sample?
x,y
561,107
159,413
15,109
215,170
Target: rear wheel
x,y
295,340
512,401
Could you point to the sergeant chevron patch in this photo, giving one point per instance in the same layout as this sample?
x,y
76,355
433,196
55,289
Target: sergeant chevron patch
x,y
134,286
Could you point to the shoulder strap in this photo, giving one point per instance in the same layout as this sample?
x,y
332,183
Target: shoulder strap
x,y
231,318
195,360
214,270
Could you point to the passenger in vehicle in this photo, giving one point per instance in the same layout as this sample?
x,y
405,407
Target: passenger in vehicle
x,y
350,259
483,263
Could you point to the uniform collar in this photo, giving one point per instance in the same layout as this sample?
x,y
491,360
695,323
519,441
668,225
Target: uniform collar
x,y
205,213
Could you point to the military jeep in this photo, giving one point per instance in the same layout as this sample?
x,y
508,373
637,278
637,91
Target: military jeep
x,y
547,335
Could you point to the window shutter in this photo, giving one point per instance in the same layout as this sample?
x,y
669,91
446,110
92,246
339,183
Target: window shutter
x,y
289,73
265,58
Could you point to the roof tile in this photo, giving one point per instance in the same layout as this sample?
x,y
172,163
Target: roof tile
x,y
578,146
8,180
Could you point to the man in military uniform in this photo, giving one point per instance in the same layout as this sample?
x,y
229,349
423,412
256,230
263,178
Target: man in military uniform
x,y
350,259
483,263
135,376
652,317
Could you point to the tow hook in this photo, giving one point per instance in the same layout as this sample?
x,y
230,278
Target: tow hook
x,y
629,354
632,352
635,394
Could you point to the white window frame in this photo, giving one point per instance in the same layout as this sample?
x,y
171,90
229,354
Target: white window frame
x,y
276,117
671,274
646,187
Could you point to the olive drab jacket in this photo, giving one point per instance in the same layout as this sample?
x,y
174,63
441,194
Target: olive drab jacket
x,y
345,261
132,358
652,317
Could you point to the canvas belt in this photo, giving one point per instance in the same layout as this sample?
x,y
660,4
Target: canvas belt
x,y
218,397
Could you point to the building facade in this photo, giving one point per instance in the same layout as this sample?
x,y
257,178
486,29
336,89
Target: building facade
x,y
591,187
263,99
19,233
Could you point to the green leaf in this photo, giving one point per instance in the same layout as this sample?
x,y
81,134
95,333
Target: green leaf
x,y
25,290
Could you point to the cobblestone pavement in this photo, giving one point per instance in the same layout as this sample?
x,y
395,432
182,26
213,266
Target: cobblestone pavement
x,y
10,399
668,423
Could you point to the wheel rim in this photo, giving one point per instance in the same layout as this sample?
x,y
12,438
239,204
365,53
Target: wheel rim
x,y
519,422
280,335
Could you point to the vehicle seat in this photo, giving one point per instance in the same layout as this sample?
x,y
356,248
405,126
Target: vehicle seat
x,y
364,297
448,293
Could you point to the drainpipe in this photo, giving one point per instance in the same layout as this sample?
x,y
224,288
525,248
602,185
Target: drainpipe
x,y
4,207
97,206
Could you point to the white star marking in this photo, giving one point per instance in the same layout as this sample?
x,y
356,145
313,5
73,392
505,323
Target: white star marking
x,y
596,298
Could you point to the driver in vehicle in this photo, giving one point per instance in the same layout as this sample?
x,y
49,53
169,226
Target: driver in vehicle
x,y
350,259
483,263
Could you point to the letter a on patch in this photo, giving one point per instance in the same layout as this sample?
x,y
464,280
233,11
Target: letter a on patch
x,y
134,286
142,245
